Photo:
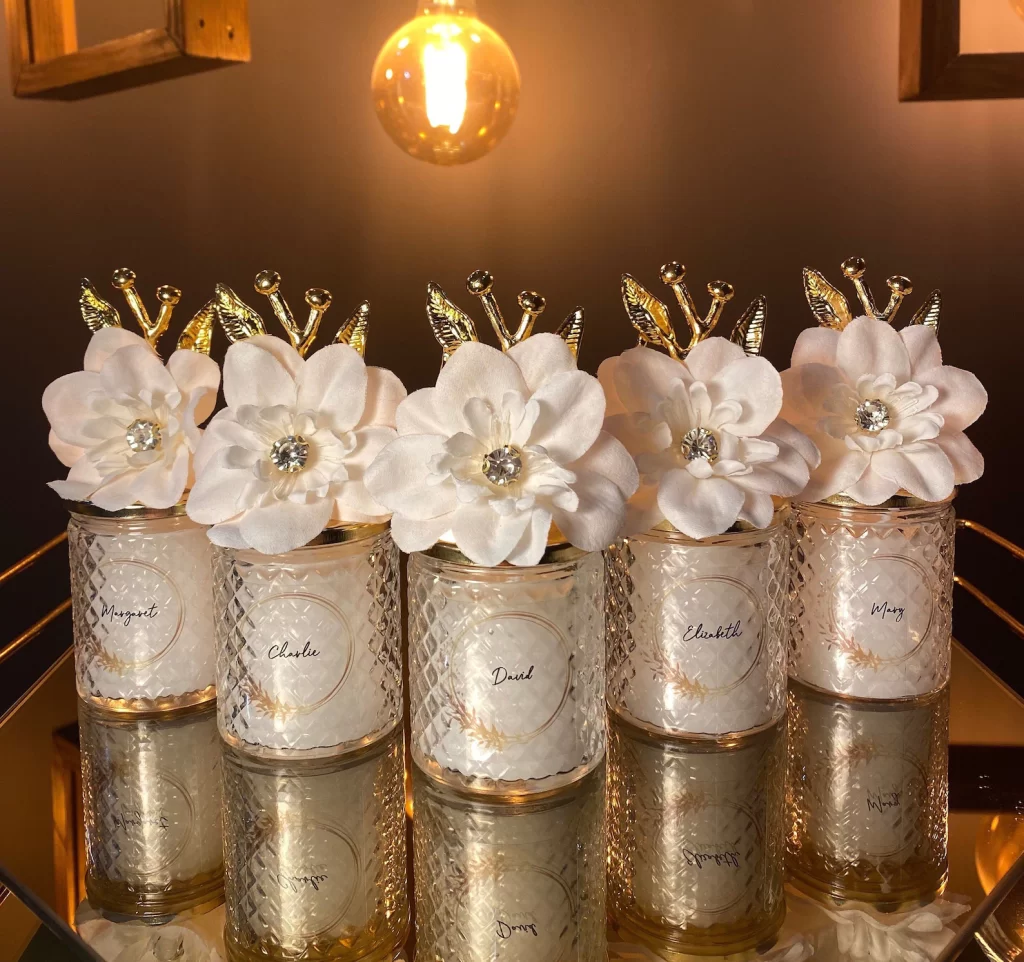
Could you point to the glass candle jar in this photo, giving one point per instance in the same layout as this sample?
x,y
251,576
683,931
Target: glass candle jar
x,y
868,799
519,881
141,585
696,629
506,667
696,840
151,791
872,597
309,656
315,856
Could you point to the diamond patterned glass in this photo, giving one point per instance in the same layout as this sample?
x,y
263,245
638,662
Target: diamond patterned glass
x,y
696,839
506,669
315,856
140,593
152,797
309,656
868,797
871,598
696,629
510,881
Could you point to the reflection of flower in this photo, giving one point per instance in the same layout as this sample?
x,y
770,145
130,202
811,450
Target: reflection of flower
x,y
287,454
884,411
501,447
126,425
705,436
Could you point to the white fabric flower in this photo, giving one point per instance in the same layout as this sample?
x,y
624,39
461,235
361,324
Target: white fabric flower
x,y
288,453
501,447
126,425
885,413
706,437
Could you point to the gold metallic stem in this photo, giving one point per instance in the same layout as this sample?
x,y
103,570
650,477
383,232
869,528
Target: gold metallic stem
x,y
268,283
1015,550
672,274
479,284
721,293
26,636
318,300
899,287
854,268
32,558
124,281
532,306
168,297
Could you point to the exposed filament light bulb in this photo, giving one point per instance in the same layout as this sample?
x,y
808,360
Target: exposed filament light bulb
x,y
445,85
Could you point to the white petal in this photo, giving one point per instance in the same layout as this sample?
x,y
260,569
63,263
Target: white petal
x,y
968,464
609,458
227,535
643,511
923,347
417,535
477,370
758,509
815,345
530,548
219,488
645,377
398,478
922,469
72,490
353,504
67,403
222,432
712,356
483,535
756,385
332,386
540,357
606,375
700,507
962,398
806,390
108,340
869,346
598,519
872,488
162,484
284,525
254,374
290,359
420,414
68,453
839,468
198,378
136,372
384,392
570,417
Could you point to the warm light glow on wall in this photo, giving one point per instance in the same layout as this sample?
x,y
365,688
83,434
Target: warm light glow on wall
x,y
445,85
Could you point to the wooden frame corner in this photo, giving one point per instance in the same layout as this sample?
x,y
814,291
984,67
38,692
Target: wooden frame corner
x,y
932,66
45,60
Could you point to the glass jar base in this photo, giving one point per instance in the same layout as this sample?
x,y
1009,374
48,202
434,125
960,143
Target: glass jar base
x,y
120,899
722,739
271,753
837,892
163,705
499,788
360,948
674,944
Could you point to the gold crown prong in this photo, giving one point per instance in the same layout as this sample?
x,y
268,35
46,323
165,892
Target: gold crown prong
x,y
124,280
480,284
268,283
532,305
673,274
168,297
899,287
721,293
854,268
318,300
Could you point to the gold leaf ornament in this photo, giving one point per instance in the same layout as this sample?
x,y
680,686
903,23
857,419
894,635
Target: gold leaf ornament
x,y
353,331
96,312
198,333
648,315
451,326
749,330
827,303
238,320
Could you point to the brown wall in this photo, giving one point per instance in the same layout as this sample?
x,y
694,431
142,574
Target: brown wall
x,y
746,138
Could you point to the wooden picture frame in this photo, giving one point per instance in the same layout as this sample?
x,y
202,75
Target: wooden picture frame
x,y
46,61
932,66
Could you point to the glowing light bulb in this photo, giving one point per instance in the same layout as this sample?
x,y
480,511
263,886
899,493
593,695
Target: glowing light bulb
x,y
445,85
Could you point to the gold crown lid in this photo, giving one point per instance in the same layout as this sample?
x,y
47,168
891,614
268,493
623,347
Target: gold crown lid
x,y
832,309
241,321
452,326
652,320
98,313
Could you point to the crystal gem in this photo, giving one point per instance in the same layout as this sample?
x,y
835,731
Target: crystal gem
x,y
700,443
290,453
143,435
872,415
503,465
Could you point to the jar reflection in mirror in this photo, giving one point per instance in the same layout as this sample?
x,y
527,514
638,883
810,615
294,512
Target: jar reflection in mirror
x,y
1000,843
315,856
309,643
152,802
696,840
140,591
868,797
506,669
696,628
872,597
511,881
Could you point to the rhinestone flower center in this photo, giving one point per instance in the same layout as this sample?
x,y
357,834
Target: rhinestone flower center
x,y
143,435
503,465
290,453
699,443
872,415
